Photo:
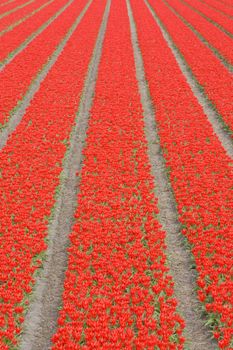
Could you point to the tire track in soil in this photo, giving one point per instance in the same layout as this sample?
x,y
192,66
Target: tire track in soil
x,y
34,87
179,259
41,320
215,51
218,125
11,56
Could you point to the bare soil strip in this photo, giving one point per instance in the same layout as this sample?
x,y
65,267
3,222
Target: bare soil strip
x,y
41,320
219,26
218,54
34,87
19,49
218,125
13,25
179,258
16,9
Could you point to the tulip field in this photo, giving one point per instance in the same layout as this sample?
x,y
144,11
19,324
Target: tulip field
x,y
116,174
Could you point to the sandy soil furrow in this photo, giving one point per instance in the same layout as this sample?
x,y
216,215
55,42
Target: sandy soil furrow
x,y
179,258
41,320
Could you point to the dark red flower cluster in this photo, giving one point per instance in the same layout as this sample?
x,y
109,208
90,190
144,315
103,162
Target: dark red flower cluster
x,y
214,78
32,59
200,171
30,167
19,14
12,39
218,39
213,15
118,294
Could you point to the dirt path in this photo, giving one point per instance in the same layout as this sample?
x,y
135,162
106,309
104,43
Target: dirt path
x,y
179,257
41,320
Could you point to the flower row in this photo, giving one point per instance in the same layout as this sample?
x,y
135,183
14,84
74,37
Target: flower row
x,y
10,5
214,16
200,171
222,7
12,39
19,14
17,6
18,75
215,80
31,164
117,291
213,35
